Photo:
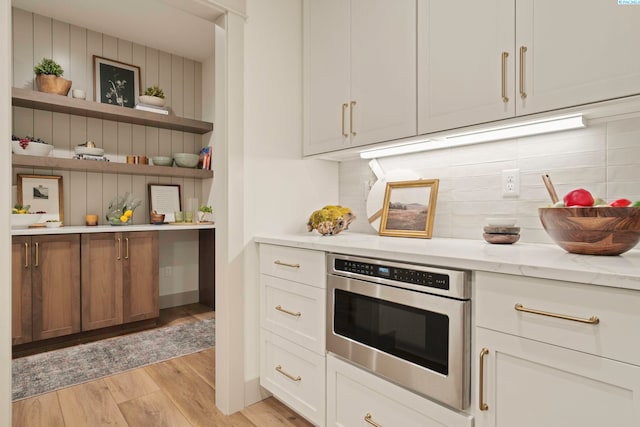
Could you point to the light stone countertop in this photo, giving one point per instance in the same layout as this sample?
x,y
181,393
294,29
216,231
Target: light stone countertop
x,y
71,229
534,260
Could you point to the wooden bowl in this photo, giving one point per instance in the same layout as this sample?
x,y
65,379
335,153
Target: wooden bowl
x,y
156,218
593,231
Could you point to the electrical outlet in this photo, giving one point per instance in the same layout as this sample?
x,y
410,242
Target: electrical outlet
x,y
511,183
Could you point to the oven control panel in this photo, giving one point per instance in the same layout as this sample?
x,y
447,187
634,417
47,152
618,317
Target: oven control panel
x,y
397,274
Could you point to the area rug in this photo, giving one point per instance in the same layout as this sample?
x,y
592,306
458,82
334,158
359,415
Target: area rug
x,y
45,372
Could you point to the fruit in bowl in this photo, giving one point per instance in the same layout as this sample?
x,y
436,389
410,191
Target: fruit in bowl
x,y
30,146
597,229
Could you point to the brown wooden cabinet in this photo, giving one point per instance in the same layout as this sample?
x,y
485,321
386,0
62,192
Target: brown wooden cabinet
x,y
120,281
45,286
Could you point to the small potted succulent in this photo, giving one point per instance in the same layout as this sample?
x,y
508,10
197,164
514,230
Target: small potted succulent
x,y
153,95
49,77
204,213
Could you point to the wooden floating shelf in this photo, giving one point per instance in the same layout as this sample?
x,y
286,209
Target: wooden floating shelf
x,y
80,107
57,163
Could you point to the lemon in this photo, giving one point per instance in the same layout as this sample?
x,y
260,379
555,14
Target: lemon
x,y
124,218
128,213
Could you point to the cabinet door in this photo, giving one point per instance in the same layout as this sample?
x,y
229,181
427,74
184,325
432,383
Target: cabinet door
x,y
20,290
531,384
383,70
461,76
326,75
55,275
577,52
102,255
141,282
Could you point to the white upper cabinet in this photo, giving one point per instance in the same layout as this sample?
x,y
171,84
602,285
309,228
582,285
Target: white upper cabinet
x,y
490,60
577,52
359,71
461,78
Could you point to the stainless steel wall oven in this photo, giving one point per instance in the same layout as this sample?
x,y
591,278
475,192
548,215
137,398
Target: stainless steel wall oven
x,y
408,323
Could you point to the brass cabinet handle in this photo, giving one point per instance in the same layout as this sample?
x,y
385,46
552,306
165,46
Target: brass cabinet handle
x,y
344,107
505,98
291,313
37,264
119,249
369,418
126,248
483,406
593,320
26,255
288,375
286,264
523,93
353,104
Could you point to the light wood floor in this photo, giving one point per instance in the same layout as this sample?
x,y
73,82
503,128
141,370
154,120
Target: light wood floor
x,y
176,393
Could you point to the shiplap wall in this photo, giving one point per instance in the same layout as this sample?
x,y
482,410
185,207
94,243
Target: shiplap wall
x,y
36,37
604,158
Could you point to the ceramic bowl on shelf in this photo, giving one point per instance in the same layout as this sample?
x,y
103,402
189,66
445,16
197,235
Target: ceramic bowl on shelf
x,y
162,160
33,149
24,220
593,230
186,160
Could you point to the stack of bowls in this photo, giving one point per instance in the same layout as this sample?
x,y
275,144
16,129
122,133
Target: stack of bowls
x,y
186,160
501,231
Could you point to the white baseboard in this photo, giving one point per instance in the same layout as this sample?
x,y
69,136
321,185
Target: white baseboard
x,y
176,300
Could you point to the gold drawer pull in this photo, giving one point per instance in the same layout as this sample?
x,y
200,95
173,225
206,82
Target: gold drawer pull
x,y
286,264
291,313
288,375
593,320
368,418
37,264
523,93
482,404
344,107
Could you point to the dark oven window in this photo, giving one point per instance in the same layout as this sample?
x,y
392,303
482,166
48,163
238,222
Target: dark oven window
x,y
416,335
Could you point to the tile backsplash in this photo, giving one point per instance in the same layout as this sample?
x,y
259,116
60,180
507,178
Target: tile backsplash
x,y
603,158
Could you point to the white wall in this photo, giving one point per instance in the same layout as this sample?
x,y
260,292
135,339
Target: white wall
x,y
604,158
5,205
281,190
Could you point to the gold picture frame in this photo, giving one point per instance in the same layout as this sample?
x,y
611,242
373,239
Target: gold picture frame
x,y
409,208
44,194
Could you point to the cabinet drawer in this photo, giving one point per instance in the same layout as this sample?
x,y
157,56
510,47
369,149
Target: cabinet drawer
x,y
294,311
496,296
300,265
353,394
294,375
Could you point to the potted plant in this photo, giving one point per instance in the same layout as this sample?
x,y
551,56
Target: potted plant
x,y
153,96
204,213
49,77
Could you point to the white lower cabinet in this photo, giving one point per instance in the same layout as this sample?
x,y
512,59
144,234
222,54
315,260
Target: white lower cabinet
x,y
294,375
528,383
356,397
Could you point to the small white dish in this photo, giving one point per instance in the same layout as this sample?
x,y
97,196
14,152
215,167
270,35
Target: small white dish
x,y
53,224
501,222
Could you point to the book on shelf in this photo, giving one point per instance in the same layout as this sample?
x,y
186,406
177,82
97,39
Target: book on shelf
x,y
152,108
204,162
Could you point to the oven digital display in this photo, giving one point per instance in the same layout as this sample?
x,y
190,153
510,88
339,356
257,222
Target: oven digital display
x,y
384,271
398,274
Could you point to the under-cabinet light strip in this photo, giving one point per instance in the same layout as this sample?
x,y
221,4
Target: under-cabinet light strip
x,y
535,127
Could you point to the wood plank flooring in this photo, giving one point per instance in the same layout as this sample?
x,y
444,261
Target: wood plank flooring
x,y
176,393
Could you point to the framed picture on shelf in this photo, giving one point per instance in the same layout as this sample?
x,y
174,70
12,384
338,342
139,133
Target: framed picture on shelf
x,y
43,193
409,208
165,199
115,82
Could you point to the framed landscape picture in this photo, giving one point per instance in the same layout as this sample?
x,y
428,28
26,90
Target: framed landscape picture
x,y
115,82
409,208
43,193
